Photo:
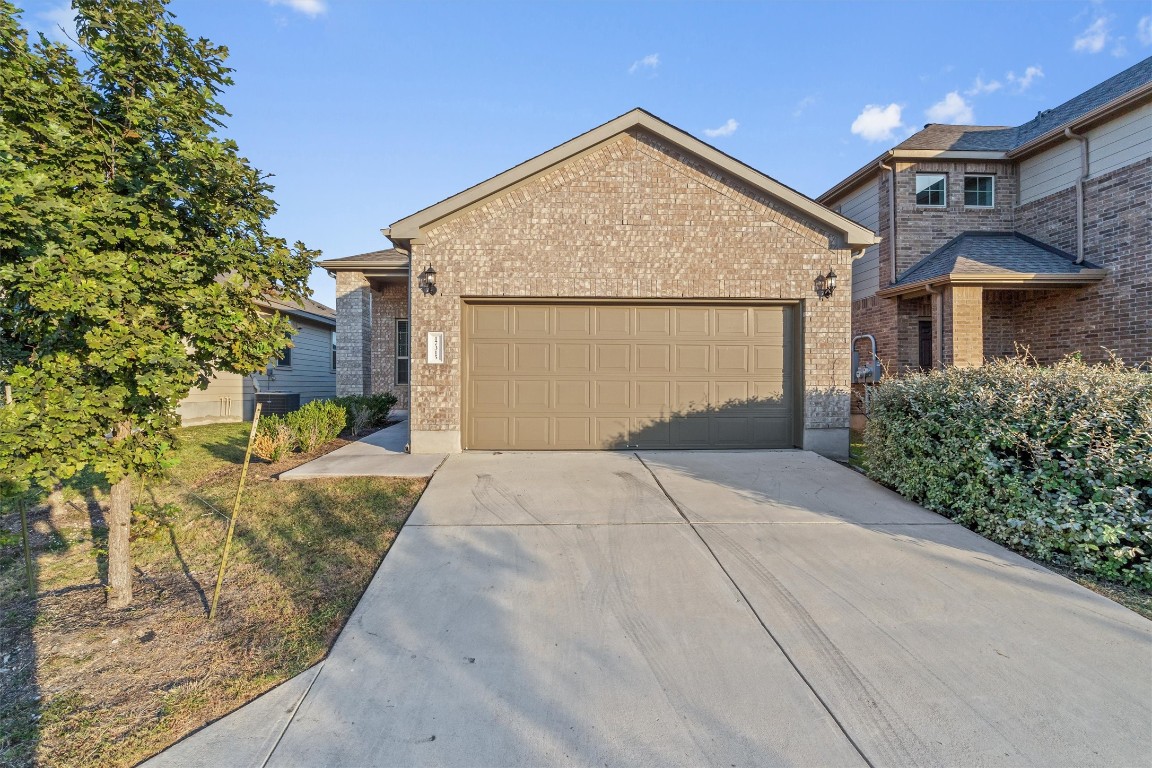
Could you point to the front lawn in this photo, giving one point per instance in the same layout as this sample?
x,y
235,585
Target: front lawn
x,y
81,686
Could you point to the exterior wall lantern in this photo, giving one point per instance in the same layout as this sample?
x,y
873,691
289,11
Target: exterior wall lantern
x,y
427,280
826,285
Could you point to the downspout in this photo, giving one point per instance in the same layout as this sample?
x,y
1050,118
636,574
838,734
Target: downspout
x,y
891,215
1080,192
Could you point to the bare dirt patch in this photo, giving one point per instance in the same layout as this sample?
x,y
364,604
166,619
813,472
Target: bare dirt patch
x,y
80,685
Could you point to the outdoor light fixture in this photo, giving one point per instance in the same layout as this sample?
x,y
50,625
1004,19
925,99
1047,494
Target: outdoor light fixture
x,y
826,285
427,280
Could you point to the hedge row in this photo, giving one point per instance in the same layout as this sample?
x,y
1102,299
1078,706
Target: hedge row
x,y
1055,462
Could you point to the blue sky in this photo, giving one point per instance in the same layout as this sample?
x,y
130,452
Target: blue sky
x,y
369,110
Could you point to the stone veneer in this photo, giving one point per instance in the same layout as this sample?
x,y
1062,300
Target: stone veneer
x,y
632,218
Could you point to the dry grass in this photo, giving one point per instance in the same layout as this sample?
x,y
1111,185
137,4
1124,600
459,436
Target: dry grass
x,y
84,686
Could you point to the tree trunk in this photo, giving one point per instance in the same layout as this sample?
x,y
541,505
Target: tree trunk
x,y
119,519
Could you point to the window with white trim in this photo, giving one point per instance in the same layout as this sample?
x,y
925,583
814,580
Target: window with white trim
x,y
403,348
979,191
931,190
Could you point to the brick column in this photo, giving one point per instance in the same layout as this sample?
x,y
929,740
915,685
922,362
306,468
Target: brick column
x,y
353,334
963,326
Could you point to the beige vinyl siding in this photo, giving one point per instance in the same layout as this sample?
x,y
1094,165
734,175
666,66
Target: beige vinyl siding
x,y
222,401
311,374
1120,142
1050,171
864,209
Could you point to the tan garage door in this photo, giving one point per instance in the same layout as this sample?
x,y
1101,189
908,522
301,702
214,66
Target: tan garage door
x,y
603,376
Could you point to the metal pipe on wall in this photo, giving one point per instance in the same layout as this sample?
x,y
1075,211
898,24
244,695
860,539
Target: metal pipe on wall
x,y
1080,192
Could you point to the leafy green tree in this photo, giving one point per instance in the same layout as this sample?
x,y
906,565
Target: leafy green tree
x,y
133,248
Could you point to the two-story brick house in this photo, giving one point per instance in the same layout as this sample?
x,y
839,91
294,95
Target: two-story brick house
x,y
996,236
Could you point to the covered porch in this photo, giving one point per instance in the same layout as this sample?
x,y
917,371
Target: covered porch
x,y
985,295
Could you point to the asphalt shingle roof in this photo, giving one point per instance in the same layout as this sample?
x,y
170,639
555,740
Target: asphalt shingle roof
x,y
986,253
372,257
998,138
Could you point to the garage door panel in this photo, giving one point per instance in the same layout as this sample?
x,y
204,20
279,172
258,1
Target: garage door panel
x,y
613,321
532,320
532,394
573,431
612,395
595,376
693,321
574,321
732,322
574,358
532,358
731,359
612,431
531,430
490,320
613,358
573,394
653,321
653,358
490,357
692,359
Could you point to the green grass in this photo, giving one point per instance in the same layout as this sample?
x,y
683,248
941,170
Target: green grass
x,y
856,448
111,688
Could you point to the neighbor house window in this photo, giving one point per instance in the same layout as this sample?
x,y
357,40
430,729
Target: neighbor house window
x,y
402,352
285,359
979,191
931,189
333,337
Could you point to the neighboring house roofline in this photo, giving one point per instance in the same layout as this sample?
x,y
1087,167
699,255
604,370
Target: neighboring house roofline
x,y
312,310
410,228
1020,146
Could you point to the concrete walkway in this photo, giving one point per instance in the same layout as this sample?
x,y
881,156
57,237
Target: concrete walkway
x,y
380,454
668,609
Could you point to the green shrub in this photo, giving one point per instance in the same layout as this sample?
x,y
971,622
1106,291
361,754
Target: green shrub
x,y
315,423
274,438
375,409
1055,462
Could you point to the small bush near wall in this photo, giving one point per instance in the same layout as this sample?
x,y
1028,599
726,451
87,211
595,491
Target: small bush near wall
x,y
366,411
1055,462
316,423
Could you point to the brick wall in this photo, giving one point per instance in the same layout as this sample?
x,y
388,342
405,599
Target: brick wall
x,y
632,218
353,334
921,230
389,302
1115,314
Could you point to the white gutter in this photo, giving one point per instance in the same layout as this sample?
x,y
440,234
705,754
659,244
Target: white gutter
x,y
1080,192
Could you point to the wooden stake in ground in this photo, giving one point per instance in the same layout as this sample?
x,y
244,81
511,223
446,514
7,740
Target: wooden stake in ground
x,y
235,512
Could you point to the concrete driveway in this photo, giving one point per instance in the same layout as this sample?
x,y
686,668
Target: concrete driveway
x,y
728,609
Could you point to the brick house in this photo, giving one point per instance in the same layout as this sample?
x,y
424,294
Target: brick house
x,y
632,287
996,236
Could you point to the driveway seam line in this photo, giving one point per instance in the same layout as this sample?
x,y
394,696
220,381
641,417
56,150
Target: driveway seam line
x,y
295,710
755,613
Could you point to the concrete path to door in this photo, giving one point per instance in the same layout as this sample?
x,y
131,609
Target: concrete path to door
x,y
384,453
699,609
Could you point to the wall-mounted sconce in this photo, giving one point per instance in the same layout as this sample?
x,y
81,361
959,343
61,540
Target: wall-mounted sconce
x,y
826,285
427,280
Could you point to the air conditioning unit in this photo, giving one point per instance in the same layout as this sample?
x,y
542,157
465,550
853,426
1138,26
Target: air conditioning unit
x,y
278,402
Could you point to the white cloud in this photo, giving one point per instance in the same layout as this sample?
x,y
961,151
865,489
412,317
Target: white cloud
x,y
311,8
876,123
1095,37
1144,30
952,109
649,62
60,22
1120,49
727,129
802,105
979,87
1024,81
